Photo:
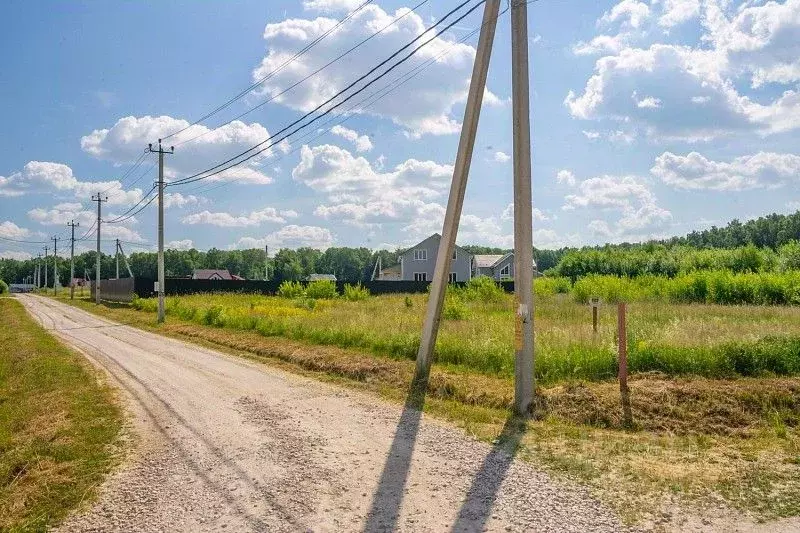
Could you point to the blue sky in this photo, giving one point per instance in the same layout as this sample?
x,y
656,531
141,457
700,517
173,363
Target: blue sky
x,y
649,119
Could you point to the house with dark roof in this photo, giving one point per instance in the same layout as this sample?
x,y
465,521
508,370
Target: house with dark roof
x,y
209,273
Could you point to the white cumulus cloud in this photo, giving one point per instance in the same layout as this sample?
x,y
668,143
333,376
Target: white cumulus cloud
x,y
226,220
695,172
361,142
124,141
436,90
291,236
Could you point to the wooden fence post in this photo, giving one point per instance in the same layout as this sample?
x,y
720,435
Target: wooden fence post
x,y
622,344
595,310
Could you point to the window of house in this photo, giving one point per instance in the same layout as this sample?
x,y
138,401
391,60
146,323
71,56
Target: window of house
x,y
420,276
453,277
505,271
455,254
421,255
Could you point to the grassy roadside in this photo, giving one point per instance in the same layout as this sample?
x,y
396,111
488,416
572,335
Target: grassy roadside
x,y
58,425
698,441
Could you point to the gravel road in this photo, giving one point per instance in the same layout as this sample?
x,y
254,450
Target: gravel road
x,y
225,444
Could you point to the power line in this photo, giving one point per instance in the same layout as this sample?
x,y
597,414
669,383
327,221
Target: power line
x,y
309,76
120,218
23,241
271,74
130,170
89,232
365,103
199,176
191,178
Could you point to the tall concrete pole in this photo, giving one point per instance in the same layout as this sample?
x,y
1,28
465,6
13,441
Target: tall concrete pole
x,y
116,254
433,314
523,218
161,278
72,226
55,266
99,201
45,269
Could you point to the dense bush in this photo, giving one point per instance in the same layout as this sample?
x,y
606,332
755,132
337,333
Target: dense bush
x,y
661,260
454,308
321,289
483,289
355,293
551,285
3,287
712,287
789,256
291,289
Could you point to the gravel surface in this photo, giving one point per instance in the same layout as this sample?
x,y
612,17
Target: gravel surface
x,y
225,444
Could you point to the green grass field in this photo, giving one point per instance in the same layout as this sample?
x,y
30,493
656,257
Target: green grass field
x,y
58,425
477,334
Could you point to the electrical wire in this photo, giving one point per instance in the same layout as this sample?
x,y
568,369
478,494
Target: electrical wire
x,y
365,103
217,168
150,201
88,232
23,241
190,178
309,76
130,170
119,218
274,72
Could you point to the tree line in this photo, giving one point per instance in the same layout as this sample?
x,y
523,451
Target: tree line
x,y
347,264
766,244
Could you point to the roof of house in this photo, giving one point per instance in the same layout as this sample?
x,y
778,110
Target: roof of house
x,y
321,277
208,273
487,261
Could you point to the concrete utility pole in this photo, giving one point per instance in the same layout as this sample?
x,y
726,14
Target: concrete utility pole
x,y
523,225
116,255
124,258
99,199
455,202
36,278
72,224
45,269
161,279
55,266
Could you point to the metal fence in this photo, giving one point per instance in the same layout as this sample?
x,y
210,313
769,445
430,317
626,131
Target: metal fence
x,y
123,290
116,290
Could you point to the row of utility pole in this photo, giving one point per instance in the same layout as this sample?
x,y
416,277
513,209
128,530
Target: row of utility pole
x,y
36,277
100,199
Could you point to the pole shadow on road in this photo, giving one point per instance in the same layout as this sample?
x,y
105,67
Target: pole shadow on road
x,y
388,498
477,506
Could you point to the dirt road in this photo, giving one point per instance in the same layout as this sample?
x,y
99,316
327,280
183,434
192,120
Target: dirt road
x,y
225,444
